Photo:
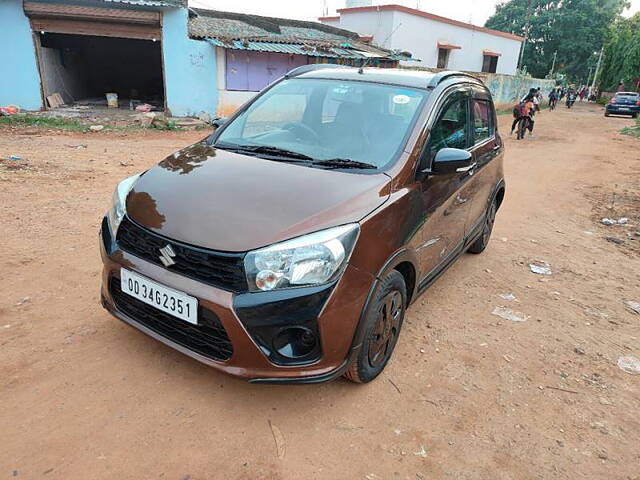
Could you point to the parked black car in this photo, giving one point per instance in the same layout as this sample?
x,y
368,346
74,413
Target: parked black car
x,y
623,103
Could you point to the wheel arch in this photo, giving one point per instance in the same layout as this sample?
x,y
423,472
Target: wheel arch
x,y
498,194
404,261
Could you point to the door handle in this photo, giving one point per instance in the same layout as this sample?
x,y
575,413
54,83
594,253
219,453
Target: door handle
x,y
467,168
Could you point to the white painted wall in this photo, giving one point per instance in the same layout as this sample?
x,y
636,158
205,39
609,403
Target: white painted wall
x,y
378,24
331,22
420,36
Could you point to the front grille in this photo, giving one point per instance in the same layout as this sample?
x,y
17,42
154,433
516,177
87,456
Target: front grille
x,y
223,270
208,338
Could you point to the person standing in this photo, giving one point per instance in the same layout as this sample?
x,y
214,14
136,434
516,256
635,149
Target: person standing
x,y
553,98
620,87
534,96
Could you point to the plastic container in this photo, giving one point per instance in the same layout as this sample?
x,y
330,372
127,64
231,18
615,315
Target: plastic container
x,y
112,100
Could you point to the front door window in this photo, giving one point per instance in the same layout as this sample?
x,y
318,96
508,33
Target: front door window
x,y
450,130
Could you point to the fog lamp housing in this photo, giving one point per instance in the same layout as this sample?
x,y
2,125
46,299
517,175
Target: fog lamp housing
x,y
295,342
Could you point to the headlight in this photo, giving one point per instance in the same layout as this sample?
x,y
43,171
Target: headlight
x,y
312,259
118,206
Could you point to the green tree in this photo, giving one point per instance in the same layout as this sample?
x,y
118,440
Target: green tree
x,y
622,54
576,29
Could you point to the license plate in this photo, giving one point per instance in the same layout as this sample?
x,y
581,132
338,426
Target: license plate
x,y
166,299
623,109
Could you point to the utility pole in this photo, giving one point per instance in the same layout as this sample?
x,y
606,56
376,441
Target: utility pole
x,y
595,75
553,65
526,35
589,77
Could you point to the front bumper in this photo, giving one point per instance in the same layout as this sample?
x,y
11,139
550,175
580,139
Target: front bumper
x,y
336,314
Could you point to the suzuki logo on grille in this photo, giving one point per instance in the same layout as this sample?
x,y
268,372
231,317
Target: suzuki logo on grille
x,y
166,255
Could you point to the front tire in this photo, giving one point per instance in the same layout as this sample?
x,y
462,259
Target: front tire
x,y
383,319
483,240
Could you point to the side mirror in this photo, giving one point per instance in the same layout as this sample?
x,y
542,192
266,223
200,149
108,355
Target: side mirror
x,y
452,160
218,122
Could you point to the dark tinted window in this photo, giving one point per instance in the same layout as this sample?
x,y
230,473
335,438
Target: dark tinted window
x,y
450,129
483,126
489,63
443,57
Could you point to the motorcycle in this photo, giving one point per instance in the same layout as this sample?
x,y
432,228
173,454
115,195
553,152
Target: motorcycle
x,y
571,99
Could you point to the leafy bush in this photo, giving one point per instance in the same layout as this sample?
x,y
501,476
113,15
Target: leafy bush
x,y
632,131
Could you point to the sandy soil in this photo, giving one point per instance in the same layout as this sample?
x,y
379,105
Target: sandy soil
x,y
467,395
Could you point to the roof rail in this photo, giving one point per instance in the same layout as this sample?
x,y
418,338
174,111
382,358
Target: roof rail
x,y
442,76
310,68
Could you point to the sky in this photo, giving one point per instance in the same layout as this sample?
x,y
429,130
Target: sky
x,y
472,11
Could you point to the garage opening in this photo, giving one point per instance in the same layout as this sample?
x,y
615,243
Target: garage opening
x,y
84,68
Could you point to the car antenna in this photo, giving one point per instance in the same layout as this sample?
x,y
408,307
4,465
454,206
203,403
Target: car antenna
x,y
366,62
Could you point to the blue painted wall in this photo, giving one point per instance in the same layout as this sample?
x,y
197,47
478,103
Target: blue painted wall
x,y
189,68
19,77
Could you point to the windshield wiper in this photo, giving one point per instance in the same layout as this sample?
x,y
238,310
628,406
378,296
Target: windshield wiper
x,y
343,163
265,149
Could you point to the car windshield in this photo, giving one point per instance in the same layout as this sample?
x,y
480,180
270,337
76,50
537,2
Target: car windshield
x,y
341,123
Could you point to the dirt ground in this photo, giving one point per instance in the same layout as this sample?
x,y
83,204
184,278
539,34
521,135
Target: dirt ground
x,y
467,394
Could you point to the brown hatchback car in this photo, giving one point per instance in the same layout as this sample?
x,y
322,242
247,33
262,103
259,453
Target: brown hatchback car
x,y
287,246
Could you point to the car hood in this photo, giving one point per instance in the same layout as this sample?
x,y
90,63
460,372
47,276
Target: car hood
x,y
227,201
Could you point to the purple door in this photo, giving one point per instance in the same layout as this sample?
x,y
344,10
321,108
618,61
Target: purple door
x,y
252,71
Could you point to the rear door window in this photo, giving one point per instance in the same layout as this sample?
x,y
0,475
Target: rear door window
x,y
483,126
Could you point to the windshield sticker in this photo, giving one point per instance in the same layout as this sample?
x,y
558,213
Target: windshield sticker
x,y
401,99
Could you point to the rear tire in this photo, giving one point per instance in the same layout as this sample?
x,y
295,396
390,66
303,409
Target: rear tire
x,y
383,322
483,240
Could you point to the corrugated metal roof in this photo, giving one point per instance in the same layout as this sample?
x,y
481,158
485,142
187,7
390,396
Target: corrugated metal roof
x,y
267,34
217,24
123,3
126,3
150,3
298,49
